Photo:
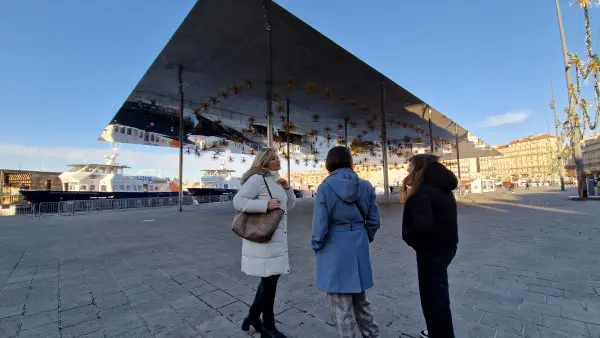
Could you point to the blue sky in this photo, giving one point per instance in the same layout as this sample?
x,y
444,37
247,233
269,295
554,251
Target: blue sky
x,y
67,65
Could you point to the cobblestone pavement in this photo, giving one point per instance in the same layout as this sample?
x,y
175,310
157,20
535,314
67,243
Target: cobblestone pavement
x,y
528,265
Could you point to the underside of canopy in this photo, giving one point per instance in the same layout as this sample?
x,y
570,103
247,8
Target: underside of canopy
x,y
222,48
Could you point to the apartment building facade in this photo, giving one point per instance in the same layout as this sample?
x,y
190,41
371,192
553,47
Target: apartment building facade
x,y
591,155
532,158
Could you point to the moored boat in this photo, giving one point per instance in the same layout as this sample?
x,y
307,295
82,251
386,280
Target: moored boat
x,y
104,181
216,182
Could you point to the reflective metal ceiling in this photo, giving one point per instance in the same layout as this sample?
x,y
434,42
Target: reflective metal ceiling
x,y
222,47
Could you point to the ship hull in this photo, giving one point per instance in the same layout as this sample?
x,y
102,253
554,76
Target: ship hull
x,y
212,191
40,196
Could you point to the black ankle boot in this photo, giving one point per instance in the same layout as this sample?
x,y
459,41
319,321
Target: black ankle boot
x,y
253,318
269,328
254,322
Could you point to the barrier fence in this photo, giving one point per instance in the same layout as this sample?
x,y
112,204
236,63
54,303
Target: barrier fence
x,y
97,205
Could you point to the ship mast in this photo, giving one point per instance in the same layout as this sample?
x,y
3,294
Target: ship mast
x,y
112,159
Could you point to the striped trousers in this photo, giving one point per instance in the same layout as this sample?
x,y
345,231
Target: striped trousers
x,y
352,315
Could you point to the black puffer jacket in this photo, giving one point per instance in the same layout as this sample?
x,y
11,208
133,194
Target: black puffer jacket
x,y
430,219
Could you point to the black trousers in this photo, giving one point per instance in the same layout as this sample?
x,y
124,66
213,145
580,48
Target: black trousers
x,y
433,288
264,300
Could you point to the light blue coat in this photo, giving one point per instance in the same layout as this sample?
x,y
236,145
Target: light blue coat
x,y
339,236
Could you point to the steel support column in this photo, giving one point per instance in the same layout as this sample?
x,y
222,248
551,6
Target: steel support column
x,y
430,128
1,187
181,125
269,72
458,159
346,132
386,186
287,140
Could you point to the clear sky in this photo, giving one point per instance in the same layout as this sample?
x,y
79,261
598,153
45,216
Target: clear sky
x,y
66,66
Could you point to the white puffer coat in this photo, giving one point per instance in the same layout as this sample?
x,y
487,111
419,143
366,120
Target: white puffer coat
x,y
271,258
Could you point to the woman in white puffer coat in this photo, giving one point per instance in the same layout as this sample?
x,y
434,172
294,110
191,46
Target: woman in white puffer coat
x,y
266,260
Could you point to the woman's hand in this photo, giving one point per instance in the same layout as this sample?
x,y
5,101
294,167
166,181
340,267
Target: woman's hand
x,y
284,183
273,204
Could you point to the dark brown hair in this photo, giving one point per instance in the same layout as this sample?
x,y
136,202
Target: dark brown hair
x,y
419,164
337,158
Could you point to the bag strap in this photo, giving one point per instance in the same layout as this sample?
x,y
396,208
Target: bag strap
x,y
362,214
267,185
360,210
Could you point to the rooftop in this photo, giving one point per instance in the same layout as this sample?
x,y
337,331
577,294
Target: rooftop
x,y
593,137
18,171
524,140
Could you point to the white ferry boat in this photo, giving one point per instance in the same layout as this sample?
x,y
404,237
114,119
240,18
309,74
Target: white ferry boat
x,y
216,182
97,181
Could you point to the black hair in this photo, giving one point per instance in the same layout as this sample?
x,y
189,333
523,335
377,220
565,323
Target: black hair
x,y
337,158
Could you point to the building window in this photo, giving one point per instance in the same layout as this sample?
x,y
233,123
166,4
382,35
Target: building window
x,y
92,187
116,128
129,131
103,188
141,134
49,184
122,130
128,188
121,187
83,187
115,188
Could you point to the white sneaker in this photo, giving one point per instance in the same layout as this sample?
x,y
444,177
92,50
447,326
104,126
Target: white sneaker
x,y
424,334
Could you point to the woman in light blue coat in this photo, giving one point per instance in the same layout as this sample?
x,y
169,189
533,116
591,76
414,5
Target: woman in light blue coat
x,y
345,220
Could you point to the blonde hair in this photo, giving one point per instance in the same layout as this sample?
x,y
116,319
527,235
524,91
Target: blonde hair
x,y
419,164
260,163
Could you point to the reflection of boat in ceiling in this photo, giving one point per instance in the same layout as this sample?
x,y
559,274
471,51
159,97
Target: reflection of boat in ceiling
x,y
119,133
153,119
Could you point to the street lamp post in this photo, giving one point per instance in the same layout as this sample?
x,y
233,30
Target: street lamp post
x,y
558,140
573,118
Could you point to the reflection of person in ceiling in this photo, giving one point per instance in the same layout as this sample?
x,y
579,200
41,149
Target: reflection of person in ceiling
x,y
345,220
430,227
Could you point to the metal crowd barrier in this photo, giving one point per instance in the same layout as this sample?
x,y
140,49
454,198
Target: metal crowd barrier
x,y
213,199
89,206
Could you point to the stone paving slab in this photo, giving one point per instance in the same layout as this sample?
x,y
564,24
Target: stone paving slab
x,y
528,265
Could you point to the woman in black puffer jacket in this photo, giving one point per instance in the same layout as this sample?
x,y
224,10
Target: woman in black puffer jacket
x,y
430,227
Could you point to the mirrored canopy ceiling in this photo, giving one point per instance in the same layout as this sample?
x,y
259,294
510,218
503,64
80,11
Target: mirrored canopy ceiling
x,y
222,48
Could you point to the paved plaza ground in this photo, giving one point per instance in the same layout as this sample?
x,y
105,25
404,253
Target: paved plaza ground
x,y
528,265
